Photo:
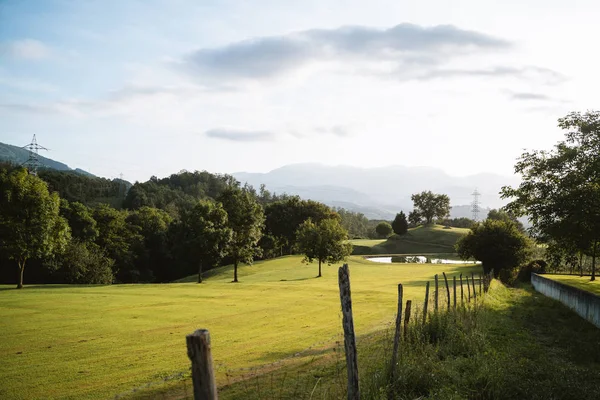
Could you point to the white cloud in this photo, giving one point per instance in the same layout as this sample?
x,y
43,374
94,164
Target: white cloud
x,y
26,49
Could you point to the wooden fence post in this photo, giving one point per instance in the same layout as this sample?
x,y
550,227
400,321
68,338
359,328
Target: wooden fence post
x,y
447,288
480,283
462,295
473,282
397,333
468,287
454,290
435,295
349,338
426,305
407,317
203,377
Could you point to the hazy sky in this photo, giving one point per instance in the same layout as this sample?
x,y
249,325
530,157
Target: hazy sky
x,y
152,87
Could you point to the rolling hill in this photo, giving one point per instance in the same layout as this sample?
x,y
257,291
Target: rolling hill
x,y
419,240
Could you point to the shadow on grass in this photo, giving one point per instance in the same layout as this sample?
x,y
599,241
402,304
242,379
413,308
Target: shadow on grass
x,y
49,286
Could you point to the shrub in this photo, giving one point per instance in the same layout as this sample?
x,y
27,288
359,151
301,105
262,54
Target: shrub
x,y
535,266
508,276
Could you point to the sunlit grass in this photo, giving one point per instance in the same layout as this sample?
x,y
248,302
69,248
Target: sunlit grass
x,y
582,282
98,341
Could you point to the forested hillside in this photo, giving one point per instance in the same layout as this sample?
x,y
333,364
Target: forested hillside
x,y
149,231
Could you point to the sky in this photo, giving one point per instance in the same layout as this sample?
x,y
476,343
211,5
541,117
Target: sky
x,y
152,87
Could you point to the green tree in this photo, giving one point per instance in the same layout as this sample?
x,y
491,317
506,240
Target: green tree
x,y
30,222
119,239
206,234
383,229
82,224
400,224
429,206
282,218
85,263
501,215
414,218
498,245
325,241
245,218
153,252
560,189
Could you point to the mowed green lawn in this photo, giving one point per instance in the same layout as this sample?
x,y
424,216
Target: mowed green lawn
x,y
99,341
578,282
367,242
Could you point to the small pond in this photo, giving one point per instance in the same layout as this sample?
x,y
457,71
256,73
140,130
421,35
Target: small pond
x,y
417,260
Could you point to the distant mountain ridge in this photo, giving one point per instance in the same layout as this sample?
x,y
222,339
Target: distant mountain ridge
x,y
18,155
381,192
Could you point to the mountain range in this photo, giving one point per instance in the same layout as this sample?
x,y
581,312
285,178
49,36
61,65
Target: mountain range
x,y
380,193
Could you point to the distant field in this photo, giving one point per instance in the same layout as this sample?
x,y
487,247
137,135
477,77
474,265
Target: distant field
x,y
423,239
578,282
367,242
72,342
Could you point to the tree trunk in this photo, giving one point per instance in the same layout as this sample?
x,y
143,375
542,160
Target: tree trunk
x,y
235,265
581,263
21,270
594,262
319,269
200,272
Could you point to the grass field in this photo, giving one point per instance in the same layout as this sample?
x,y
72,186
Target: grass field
x,y
578,282
99,341
422,239
516,344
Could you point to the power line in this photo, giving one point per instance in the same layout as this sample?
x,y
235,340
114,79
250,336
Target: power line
x,y
33,162
475,205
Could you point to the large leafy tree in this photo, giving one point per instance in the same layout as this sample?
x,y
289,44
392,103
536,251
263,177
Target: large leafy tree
x,y
383,229
400,224
120,239
153,251
282,219
560,188
82,224
497,244
206,235
245,218
325,241
502,215
429,206
30,222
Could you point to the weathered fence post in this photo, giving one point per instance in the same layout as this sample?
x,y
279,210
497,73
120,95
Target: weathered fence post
x,y
426,305
473,282
454,289
203,377
407,317
462,295
468,287
447,289
349,338
398,328
480,284
435,295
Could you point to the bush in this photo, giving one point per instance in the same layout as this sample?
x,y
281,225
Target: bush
x,y
508,276
535,266
85,263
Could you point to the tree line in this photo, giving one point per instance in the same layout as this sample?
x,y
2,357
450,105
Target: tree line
x,y
163,230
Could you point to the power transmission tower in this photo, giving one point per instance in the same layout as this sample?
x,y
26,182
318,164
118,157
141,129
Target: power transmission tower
x,y
475,205
33,162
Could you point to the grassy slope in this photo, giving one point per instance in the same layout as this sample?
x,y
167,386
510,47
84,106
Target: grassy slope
x,y
523,346
422,239
98,341
578,282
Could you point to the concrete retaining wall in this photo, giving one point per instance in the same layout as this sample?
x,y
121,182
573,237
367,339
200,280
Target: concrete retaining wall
x,y
583,303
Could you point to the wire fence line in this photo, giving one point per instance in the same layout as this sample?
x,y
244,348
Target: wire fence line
x,y
236,372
